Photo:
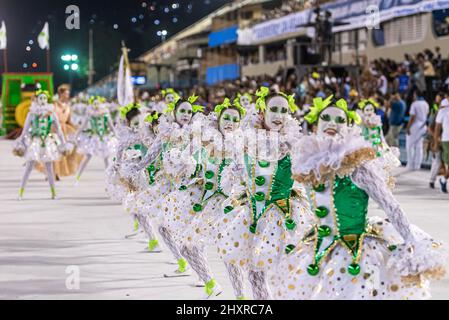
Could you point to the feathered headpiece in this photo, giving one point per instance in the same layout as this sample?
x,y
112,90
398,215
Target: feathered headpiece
x,y
319,105
227,104
263,92
126,109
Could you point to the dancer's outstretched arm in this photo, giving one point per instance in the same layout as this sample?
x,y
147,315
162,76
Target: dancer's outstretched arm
x,y
367,178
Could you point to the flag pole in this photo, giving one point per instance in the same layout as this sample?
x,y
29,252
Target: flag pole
x,y
48,59
5,59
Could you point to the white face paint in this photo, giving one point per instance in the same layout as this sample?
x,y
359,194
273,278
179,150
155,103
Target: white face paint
x,y
332,121
244,101
183,113
134,124
229,121
42,99
169,98
97,104
42,107
276,113
368,111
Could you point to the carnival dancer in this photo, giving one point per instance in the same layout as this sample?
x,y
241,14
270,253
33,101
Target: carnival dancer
x,y
96,136
123,183
37,143
151,201
196,209
346,255
169,96
372,131
265,213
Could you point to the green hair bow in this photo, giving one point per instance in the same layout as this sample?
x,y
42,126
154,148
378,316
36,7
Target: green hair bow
x,y
227,104
152,117
195,107
239,96
263,92
93,98
40,91
125,109
170,91
362,104
319,105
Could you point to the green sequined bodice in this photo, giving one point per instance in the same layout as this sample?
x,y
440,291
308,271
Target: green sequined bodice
x,y
351,206
41,127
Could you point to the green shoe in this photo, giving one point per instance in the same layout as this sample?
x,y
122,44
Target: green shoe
x,y
53,193
182,265
21,191
153,244
212,288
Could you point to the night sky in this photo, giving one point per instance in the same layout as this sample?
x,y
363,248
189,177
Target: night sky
x,y
135,21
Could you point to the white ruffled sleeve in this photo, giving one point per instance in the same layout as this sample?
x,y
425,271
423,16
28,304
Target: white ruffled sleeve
x,y
419,254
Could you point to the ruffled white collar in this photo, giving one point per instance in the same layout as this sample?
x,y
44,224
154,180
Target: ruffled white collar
x,y
317,156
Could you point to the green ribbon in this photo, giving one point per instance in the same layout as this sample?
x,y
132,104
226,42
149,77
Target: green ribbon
x,y
126,109
319,105
227,104
152,117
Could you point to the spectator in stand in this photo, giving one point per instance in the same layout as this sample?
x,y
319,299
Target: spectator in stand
x,y
396,116
416,130
442,138
433,145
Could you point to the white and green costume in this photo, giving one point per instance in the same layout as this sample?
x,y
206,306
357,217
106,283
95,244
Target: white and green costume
x,y
348,255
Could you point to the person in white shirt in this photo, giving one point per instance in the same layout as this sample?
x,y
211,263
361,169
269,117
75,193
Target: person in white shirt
x,y
416,130
442,137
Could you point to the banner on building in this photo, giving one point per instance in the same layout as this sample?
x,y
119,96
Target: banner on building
x,y
356,13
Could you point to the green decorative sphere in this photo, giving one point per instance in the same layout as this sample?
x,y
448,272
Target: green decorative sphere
x,y
183,188
228,209
321,212
253,228
209,174
354,269
264,164
289,248
260,181
324,231
209,186
197,207
260,196
313,269
290,224
319,188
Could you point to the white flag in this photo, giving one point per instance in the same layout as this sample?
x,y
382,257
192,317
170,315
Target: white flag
x,y
3,36
125,93
44,37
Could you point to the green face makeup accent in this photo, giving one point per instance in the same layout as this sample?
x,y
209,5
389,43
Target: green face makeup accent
x,y
340,120
229,120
